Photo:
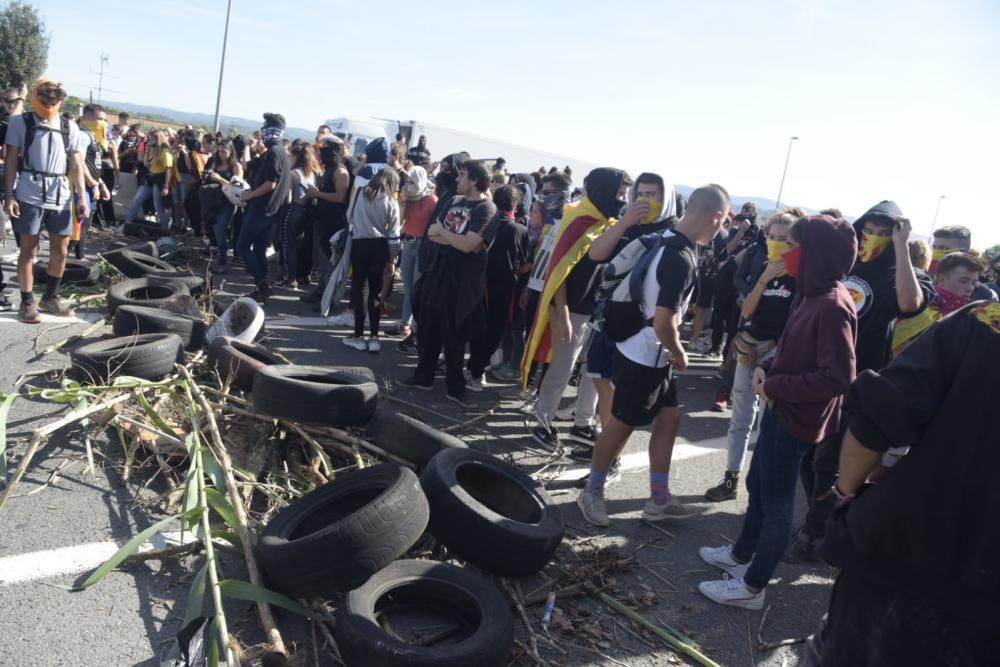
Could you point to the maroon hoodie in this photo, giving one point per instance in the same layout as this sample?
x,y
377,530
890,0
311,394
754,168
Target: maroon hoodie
x,y
814,363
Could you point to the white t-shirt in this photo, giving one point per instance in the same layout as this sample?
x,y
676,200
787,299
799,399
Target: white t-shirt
x,y
645,347
539,270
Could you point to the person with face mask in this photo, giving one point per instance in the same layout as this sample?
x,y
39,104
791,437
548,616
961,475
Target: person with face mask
x,y
269,187
419,202
561,324
331,199
955,238
45,157
884,287
803,384
764,310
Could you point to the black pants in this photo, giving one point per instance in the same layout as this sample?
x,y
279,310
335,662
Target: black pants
x,y
105,213
873,625
439,330
818,471
368,258
304,261
289,232
725,318
498,304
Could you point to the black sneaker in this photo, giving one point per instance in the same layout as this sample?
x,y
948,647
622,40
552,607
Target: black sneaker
x,y
547,438
408,345
5,304
261,294
461,399
582,452
585,435
802,550
726,490
412,383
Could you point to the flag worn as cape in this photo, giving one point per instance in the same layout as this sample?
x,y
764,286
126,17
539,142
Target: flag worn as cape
x,y
581,224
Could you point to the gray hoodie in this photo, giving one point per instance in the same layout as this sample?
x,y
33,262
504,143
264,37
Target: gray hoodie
x,y
375,219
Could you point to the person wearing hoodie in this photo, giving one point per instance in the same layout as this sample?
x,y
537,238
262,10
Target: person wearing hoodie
x,y
643,365
919,573
562,318
650,211
803,384
331,209
765,310
419,202
449,294
884,287
269,187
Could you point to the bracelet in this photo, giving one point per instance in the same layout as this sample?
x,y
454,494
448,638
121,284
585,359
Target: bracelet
x,y
840,495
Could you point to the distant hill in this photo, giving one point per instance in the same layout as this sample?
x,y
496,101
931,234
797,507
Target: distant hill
x,y
246,125
765,206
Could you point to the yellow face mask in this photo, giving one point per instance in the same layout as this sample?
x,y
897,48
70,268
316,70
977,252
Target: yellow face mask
x,y
655,209
872,246
775,249
937,254
98,128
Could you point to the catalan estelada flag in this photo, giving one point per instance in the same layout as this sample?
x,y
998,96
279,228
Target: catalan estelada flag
x,y
581,224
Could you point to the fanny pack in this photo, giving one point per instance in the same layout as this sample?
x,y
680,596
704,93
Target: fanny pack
x,y
749,350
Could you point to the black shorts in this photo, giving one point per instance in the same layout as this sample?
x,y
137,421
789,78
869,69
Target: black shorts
x,y
706,291
641,391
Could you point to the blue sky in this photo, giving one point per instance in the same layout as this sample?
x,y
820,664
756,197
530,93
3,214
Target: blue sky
x,y
890,99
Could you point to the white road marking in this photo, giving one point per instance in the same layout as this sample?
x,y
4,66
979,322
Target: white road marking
x,y
23,568
11,318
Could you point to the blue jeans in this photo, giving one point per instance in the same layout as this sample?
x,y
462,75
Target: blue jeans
x,y
411,274
180,193
767,526
141,195
221,228
252,243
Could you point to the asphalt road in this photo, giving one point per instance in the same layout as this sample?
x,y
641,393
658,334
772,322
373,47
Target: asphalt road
x,y
127,617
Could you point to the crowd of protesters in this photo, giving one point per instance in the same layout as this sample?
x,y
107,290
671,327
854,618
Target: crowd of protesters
x,y
864,358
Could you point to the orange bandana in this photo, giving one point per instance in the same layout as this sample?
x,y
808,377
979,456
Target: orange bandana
x,y
42,105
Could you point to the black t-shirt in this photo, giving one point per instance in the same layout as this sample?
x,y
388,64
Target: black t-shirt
x,y
775,303
418,156
333,215
455,276
676,273
268,169
728,270
510,250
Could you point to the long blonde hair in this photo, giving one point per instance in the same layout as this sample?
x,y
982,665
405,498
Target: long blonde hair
x,y
153,150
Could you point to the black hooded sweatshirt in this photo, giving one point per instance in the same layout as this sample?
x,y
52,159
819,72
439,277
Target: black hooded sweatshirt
x,y
932,525
873,287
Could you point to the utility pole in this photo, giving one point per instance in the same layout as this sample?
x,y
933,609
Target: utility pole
x,y
222,65
937,209
777,203
100,77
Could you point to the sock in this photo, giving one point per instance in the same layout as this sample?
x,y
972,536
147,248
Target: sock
x,y
595,483
51,286
27,297
659,487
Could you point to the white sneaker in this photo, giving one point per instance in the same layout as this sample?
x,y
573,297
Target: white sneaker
x,y
374,346
344,319
476,384
592,507
722,558
669,510
356,343
732,592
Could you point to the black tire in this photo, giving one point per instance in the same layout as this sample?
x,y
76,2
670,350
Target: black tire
x,y
195,284
362,372
491,513
147,356
130,320
143,292
140,231
77,272
335,538
317,394
136,264
409,438
146,248
469,599
239,361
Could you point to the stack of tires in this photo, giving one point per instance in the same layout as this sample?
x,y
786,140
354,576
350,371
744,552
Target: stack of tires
x,y
344,539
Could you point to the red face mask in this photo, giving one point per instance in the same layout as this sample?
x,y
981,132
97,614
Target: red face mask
x,y
792,259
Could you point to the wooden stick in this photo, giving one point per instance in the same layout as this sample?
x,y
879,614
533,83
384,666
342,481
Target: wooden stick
x,y
83,334
277,644
41,434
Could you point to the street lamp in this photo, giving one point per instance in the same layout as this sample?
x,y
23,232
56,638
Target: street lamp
x,y
937,209
777,204
222,65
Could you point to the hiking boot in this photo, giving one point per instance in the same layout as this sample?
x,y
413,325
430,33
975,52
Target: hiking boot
x,y
412,383
732,593
722,558
726,490
721,401
671,509
585,435
6,305
802,550
408,345
592,508
357,343
53,305
28,313
547,438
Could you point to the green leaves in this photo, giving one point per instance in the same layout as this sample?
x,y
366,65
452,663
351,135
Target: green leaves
x,y
7,399
196,597
127,550
244,590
